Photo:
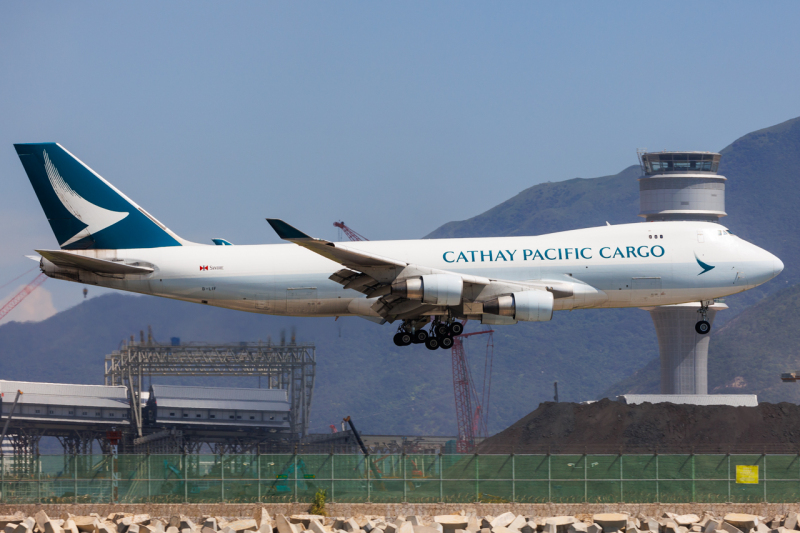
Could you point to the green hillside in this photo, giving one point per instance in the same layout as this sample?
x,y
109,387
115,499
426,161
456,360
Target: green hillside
x,y
747,355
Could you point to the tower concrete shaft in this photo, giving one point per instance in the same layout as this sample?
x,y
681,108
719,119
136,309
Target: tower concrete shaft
x,y
683,352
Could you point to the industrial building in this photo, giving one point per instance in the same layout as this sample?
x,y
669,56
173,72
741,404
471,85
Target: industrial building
x,y
132,414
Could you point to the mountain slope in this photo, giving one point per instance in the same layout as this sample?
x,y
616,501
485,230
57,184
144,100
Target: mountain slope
x,y
360,372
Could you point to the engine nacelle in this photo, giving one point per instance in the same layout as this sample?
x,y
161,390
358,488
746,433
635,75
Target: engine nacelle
x,y
530,306
435,289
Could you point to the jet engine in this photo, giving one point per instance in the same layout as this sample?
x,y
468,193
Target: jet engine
x,y
531,306
436,289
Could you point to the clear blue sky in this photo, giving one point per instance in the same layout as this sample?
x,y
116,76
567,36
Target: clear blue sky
x,y
396,117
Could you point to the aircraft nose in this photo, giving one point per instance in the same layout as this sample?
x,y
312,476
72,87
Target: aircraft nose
x,y
777,266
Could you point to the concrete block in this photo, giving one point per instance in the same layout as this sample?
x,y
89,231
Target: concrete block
x,y
186,530
686,519
262,516
712,525
41,519
517,523
729,528
226,529
210,523
790,522
451,522
500,529
207,529
26,525
744,522
283,525
172,529
576,527
351,526
315,526
10,528
561,523
424,529
529,527
246,524
414,520
174,521
405,527
761,527
696,529
503,520
438,527
549,528
594,528
486,522
133,528
610,522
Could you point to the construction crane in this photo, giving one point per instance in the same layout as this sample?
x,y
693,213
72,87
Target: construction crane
x,y
352,235
21,295
471,423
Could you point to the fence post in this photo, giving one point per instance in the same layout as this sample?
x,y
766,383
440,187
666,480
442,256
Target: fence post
x,y
549,480
75,475
513,479
658,494
222,477
405,479
2,476
366,467
765,478
694,484
441,483
333,479
585,478
295,475
621,472
729,477
39,478
477,480
149,490
258,467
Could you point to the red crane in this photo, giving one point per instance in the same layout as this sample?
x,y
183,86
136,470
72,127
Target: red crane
x,y
471,423
21,295
352,235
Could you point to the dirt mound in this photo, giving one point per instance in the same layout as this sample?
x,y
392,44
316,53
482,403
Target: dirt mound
x,y
614,427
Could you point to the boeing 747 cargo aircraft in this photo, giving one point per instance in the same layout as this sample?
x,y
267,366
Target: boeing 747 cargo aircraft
x,y
106,239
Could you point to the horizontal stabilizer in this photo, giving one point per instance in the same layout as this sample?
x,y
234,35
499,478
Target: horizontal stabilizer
x,y
92,264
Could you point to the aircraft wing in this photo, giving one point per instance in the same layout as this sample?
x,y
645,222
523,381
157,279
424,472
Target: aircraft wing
x,y
370,274
92,264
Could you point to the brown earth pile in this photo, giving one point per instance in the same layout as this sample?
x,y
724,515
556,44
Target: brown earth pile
x,y
614,427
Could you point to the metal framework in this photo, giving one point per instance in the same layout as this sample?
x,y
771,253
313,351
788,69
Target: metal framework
x,y
470,423
286,366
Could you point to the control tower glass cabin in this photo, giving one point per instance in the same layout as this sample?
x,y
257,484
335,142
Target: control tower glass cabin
x,y
681,186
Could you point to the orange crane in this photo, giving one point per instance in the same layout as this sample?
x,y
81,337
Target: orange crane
x,y
352,235
21,295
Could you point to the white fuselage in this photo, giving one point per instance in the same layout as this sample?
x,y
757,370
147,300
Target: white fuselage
x,y
629,265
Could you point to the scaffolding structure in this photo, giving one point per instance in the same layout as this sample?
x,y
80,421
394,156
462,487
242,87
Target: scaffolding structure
x,y
289,366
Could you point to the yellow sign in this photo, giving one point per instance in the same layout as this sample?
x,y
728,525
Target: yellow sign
x,y
747,474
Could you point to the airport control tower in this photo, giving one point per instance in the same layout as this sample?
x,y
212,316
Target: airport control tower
x,y
682,186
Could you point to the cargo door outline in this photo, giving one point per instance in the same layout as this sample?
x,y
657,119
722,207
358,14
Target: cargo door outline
x,y
646,288
301,300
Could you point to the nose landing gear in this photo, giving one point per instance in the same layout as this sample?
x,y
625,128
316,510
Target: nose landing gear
x,y
703,326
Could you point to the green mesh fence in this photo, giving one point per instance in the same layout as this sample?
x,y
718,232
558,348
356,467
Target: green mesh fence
x,y
401,478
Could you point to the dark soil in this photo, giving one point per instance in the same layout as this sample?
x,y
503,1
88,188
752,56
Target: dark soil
x,y
614,427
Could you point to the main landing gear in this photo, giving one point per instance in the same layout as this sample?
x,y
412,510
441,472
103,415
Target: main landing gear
x,y
703,326
440,336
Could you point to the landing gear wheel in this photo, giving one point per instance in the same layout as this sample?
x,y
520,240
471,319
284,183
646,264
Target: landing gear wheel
x,y
456,328
441,330
432,343
402,338
702,327
419,336
446,343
